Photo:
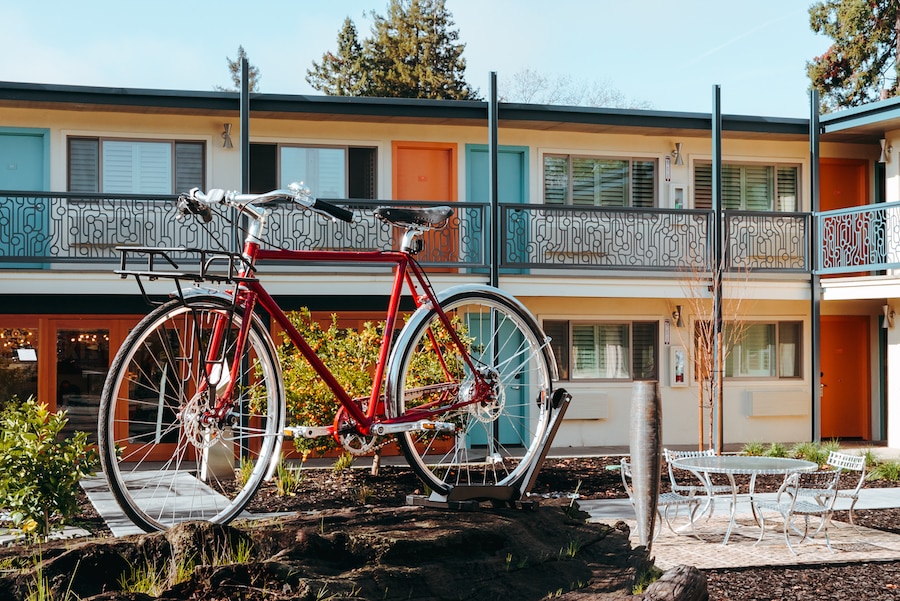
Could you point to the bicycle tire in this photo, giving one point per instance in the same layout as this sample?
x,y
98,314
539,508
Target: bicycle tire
x,y
495,441
163,465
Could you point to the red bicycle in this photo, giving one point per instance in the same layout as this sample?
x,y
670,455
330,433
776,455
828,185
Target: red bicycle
x,y
192,415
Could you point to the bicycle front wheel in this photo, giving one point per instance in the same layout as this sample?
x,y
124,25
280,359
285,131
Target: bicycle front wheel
x,y
499,422
165,458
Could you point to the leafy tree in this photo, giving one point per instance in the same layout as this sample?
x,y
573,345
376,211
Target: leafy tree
x,y
414,52
342,73
234,68
861,65
531,86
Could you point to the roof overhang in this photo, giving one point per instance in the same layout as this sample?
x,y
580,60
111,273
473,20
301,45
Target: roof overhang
x,y
398,110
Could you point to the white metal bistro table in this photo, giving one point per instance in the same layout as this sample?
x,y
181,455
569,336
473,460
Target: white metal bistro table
x,y
733,465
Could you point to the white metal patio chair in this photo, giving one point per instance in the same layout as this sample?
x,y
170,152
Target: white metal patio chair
x,y
706,489
849,463
804,495
665,502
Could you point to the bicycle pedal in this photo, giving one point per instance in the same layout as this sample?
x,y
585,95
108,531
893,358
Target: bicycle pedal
x,y
307,431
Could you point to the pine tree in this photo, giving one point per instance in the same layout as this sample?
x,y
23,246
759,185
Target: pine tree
x,y
342,73
861,64
234,68
414,52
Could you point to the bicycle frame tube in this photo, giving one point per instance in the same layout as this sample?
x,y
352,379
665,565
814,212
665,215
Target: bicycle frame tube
x,y
406,273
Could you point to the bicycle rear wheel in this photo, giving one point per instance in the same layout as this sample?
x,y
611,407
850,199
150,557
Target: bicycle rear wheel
x,y
498,431
164,460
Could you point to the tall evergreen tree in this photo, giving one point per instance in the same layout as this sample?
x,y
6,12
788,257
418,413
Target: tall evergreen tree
x,y
342,73
861,64
234,69
414,52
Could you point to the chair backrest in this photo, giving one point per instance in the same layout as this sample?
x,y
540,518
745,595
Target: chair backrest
x,y
625,469
845,461
822,485
671,456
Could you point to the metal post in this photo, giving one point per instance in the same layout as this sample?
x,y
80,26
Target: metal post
x,y
718,268
495,242
815,309
245,126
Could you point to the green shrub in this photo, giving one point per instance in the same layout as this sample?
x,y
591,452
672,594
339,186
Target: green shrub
x,y
350,355
886,470
754,449
776,449
811,451
40,470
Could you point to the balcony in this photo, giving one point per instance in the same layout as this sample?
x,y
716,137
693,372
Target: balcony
x,y
67,231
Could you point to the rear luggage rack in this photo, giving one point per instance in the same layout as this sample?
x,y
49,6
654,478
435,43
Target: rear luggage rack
x,y
155,262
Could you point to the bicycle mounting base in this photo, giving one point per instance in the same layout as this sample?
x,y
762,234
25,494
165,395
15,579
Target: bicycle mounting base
x,y
514,495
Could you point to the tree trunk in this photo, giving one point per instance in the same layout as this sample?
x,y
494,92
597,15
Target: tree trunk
x,y
646,447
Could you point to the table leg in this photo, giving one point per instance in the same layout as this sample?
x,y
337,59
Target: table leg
x,y
733,509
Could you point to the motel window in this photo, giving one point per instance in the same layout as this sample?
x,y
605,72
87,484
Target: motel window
x,y
110,166
599,182
605,350
336,172
761,349
750,187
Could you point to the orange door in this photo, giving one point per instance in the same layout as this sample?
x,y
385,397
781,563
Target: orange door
x,y
844,183
427,171
846,395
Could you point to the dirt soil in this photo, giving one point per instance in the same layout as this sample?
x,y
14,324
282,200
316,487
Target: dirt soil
x,y
358,490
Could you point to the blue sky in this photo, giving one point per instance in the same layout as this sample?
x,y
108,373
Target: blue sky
x,y
669,53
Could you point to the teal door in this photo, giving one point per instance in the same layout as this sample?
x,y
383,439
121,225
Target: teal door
x,y
24,219
512,187
498,349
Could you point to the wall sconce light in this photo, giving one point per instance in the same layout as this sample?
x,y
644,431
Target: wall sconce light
x,y
226,136
885,156
676,154
676,315
888,321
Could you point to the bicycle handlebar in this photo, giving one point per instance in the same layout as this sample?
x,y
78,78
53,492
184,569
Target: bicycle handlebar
x,y
199,203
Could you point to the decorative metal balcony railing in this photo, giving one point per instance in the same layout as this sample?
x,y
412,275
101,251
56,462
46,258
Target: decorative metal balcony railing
x,y
860,239
40,229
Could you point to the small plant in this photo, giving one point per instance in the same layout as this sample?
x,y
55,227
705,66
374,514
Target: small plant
x,y
646,579
244,471
143,579
40,470
776,449
364,494
811,451
570,550
754,449
288,480
871,458
343,462
886,470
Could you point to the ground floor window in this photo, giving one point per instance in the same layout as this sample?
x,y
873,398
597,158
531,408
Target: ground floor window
x,y
18,362
605,350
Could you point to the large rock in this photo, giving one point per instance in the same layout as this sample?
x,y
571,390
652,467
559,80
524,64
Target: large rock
x,y
395,553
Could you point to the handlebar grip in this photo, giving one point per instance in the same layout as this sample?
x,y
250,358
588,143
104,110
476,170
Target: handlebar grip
x,y
333,210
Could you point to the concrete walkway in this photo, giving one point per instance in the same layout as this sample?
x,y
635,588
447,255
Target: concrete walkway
x,y
706,551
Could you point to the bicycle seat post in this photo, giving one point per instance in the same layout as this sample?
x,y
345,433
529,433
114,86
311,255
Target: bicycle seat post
x,y
411,242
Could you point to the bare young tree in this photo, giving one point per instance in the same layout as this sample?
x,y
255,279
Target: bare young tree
x,y
533,87
699,339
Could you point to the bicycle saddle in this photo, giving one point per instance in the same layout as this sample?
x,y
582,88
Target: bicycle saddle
x,y
431,217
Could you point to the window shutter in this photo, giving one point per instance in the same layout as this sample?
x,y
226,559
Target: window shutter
x,y
643,179
787,189
558,331
731,186
703,186
188,166
759,187
644,353
137,167
585,182
84,165
556,180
